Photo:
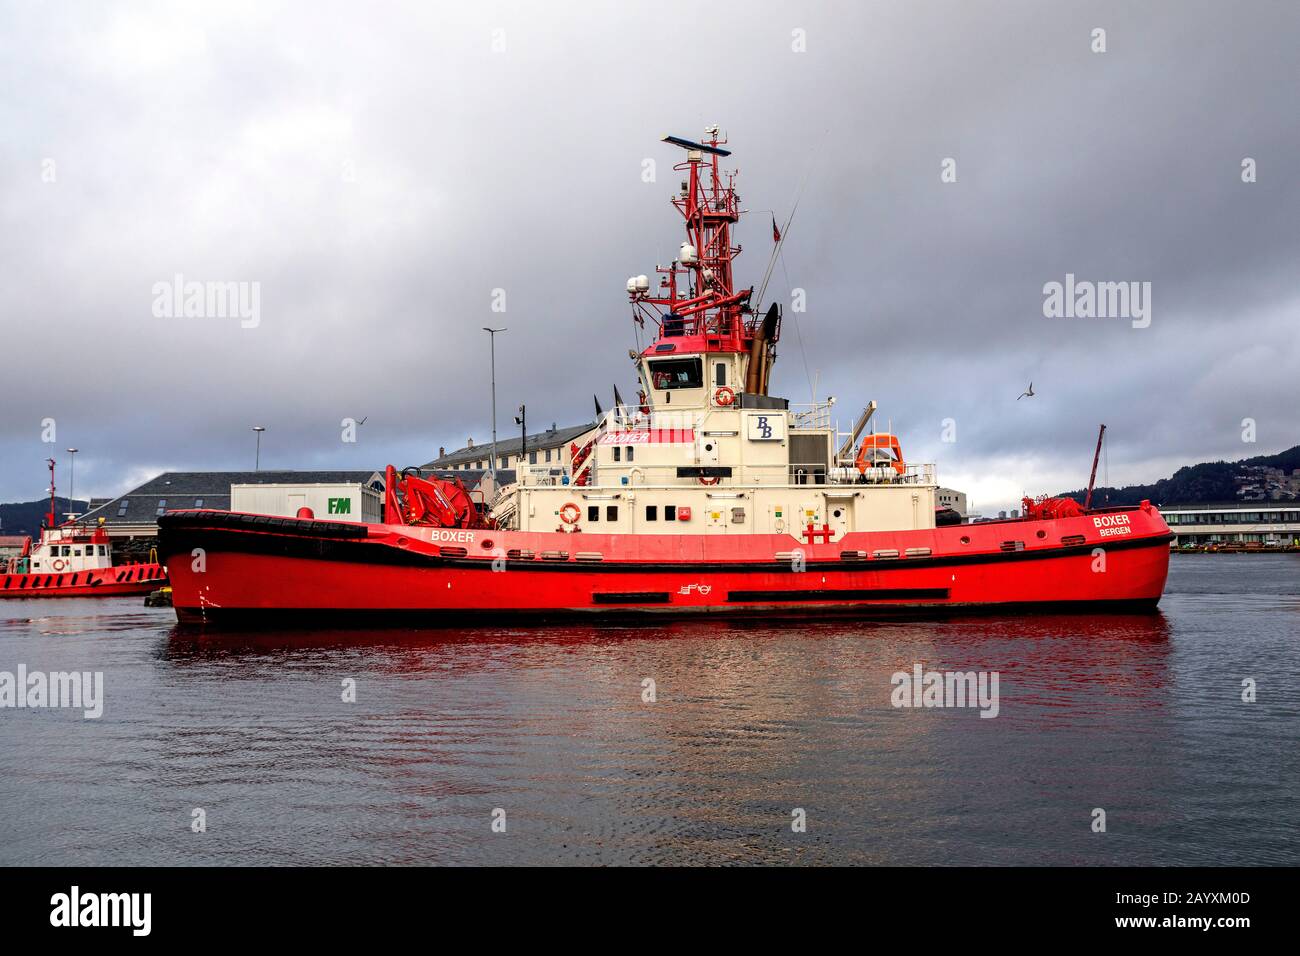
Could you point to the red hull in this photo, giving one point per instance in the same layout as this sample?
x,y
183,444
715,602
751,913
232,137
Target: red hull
x,y
104,582
254,566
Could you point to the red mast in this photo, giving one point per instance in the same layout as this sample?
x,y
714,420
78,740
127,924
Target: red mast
x,y
708,313
1092,479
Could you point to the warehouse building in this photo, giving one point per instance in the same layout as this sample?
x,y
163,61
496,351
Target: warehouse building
x,y
134,515
1274,525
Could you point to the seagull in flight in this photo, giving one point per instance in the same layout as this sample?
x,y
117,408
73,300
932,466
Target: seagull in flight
x,y
1028,394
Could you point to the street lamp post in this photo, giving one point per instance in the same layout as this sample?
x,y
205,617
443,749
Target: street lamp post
x,y
492,339
72,481
257,460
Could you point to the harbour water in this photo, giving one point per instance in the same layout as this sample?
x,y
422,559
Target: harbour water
x,y
550,734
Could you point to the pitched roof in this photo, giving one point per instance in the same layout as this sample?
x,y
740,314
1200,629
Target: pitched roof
x,y
551,438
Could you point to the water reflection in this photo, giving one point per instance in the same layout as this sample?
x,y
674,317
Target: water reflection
x,y
556,724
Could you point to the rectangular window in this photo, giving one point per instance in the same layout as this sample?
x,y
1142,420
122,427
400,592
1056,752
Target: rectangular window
x,y
548,454
198,502
593,512
162,506
76,553
670,512
651,512
67,551
618,453
630,450
611,512
102,551
677,373
532,458
121,508
720,374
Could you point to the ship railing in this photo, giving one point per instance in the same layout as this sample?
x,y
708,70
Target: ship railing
x,y
847,473
541,476
811,416
774,474
631,418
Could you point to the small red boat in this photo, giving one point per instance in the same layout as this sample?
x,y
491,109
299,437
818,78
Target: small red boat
x,y
74,560
709,495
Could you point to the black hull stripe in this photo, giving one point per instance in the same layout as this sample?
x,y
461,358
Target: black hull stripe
x,y
293,619
180,542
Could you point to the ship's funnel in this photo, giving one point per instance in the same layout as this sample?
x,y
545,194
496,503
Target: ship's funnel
x,y
760,359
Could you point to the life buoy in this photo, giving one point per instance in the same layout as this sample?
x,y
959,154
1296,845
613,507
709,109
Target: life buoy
x,y
724,396
708,479
58,564
570,513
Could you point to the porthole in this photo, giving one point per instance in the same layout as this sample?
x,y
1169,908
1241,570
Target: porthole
x,y
965,539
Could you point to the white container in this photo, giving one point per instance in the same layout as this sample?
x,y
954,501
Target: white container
x,y
328,502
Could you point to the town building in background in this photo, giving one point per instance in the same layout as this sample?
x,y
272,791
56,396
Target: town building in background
x,y
551,447
1262,526
134,515
1259,526
951,498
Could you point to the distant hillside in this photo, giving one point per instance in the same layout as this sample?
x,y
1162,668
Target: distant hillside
x,y
25,517
1262,478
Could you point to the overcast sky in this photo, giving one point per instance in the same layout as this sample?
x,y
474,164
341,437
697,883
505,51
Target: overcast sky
x,y
379,169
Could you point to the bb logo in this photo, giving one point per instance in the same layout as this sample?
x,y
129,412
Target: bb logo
x,y
764,427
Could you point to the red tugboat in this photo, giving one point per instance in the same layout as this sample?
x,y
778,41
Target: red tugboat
x,y
74,560
710,495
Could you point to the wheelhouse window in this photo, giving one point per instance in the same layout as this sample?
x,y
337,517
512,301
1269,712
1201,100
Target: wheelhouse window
x,y
630,450
593,512
720,374
670,512
668,374
651,512
618,453
611,512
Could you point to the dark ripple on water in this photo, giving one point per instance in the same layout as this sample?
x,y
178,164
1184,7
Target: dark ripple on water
x,y
1139,715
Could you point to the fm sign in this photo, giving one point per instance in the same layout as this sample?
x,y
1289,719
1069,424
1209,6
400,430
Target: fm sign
x,y
766,427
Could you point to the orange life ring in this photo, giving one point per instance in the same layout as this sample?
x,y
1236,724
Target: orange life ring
x,y
724,396
708,479
570,513
58,564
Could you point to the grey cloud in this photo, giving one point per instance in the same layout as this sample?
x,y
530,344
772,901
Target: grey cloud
x,y
212,142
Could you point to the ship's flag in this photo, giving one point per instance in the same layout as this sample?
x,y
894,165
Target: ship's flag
x,y
776,233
